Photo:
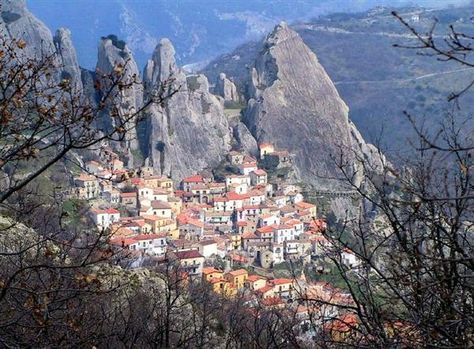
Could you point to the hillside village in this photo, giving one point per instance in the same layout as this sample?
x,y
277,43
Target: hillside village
x,y
230,234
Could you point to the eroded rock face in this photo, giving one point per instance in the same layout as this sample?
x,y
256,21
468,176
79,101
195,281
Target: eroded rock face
x,y
67,54
226,89
295,106
17,22
114,54
244,139
189,131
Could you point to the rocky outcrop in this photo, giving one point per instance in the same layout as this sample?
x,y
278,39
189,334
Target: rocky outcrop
x,y
226,89
188,131
67,55
113,56
16,22
244,139
295,106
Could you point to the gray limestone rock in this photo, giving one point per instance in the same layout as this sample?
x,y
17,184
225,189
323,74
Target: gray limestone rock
x,y
295,106
226,89
16,22
114,54
188,131
245,140
67,54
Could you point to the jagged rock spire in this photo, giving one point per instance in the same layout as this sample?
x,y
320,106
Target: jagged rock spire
x,y
295,106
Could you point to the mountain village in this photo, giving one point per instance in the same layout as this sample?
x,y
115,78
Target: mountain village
x,y
229,234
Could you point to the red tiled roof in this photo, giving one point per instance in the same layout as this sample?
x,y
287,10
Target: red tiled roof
x,y
207,242
260,172
220,199
141,237
232,195
266,229
238,272
187,254
253,278
136,181
210,270
265,289
249,235
281,281
157,204
304,205
238,258
194,179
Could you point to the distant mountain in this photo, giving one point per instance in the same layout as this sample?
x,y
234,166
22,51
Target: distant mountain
x,y
375,79
200,29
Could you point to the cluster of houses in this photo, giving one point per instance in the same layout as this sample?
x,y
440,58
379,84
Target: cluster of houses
x,y
244,219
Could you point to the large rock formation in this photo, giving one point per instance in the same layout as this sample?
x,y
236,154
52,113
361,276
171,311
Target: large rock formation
x,y
17,22
226,89
244,139
114,55
67,54
188,131
295,106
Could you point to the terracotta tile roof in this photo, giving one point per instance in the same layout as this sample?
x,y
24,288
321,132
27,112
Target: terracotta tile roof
x,y
187,254
210,270
304,205
260,172
235,196
238,272
266,229
238,258
207,242
281,281
194,179
249,235
86,177
265,289
253,278
141,237
157,204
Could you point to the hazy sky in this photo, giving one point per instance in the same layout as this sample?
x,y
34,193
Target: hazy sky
x,y
199,29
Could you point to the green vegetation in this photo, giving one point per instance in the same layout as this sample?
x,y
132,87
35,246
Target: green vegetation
x,y
224,169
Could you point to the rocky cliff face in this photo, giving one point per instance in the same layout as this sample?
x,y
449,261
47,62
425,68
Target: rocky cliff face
x,y
295,106
226,89
17,22
114,54
67,55
189,131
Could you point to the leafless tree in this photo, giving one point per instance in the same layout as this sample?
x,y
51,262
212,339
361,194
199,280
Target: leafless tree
x,y
412,285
